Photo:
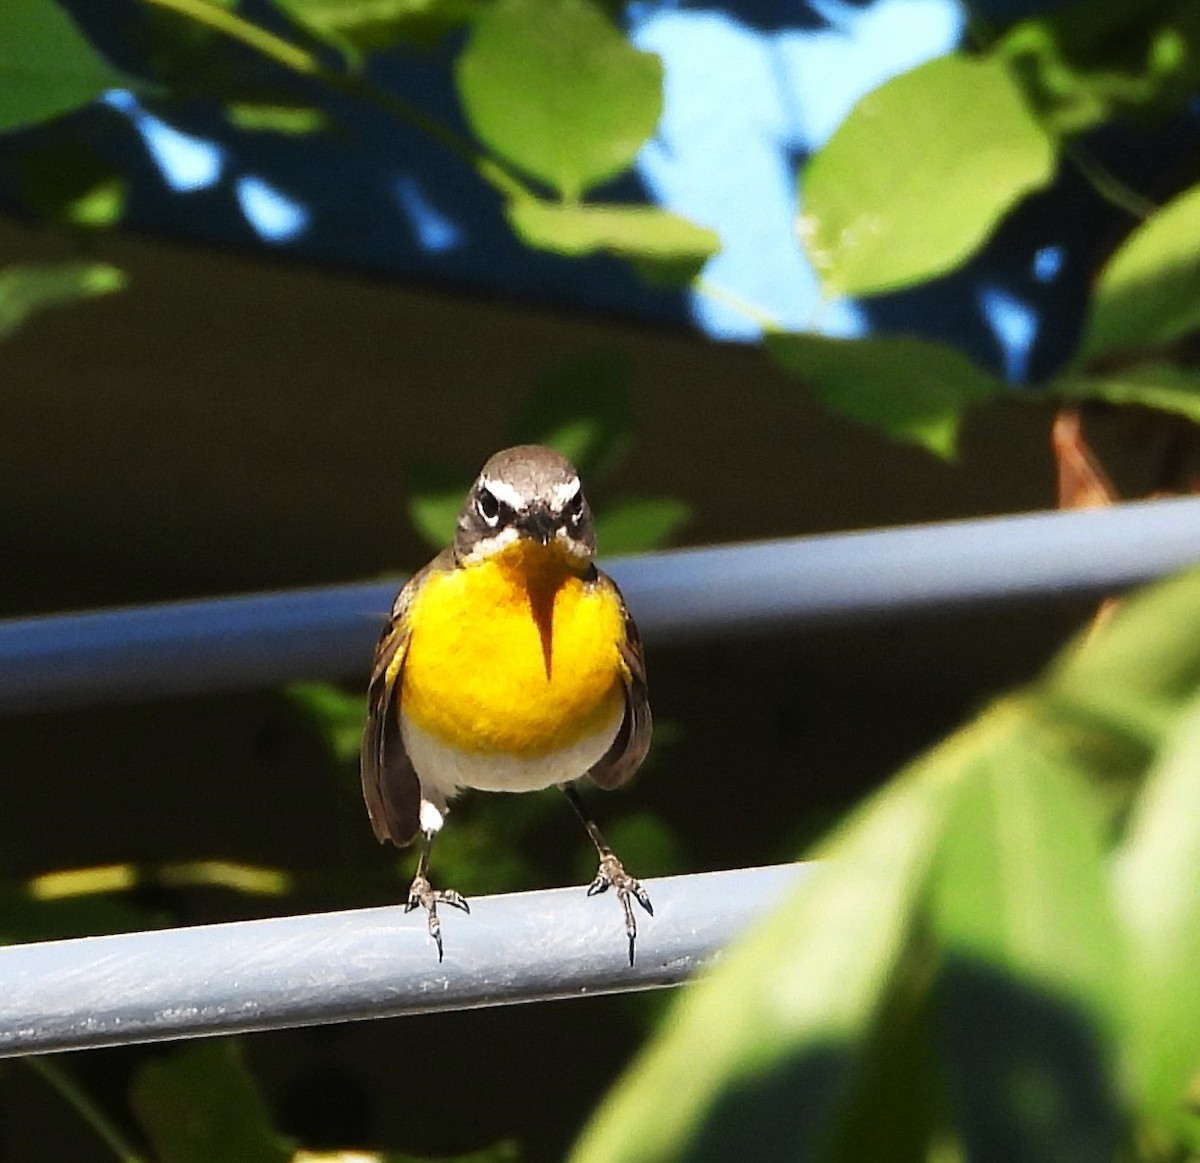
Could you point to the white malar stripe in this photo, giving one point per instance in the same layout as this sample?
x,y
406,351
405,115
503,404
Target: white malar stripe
x,y
444,770
485,547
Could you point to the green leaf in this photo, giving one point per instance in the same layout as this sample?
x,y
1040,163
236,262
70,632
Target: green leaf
x,y
68,182
202,1104
639,525
1119,690
363,26
231,875
1133,675
1020,882
806,986
340,717
434,501
47,67
912,389
1161,386
1030,992
1149,292
1157,882
670,248
918,175
188,54
989,847
646,842
556,89
484,852
896,1109
582,409
293,120
1087,62
28,288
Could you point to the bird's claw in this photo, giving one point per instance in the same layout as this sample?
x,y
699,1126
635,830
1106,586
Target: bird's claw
x,y
422,895
612,874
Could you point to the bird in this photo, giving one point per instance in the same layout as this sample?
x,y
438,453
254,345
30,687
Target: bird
x,y
509,663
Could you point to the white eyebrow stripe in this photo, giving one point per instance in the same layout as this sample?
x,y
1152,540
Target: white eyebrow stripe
x,y
557,496
561,494
504,493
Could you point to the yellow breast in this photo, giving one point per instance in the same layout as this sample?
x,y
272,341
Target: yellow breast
x,y
515,654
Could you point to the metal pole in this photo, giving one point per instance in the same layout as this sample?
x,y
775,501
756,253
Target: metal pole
x,y
370,963
678,596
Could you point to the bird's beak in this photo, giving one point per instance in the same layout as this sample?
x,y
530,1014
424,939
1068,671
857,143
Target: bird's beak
x,y
539,524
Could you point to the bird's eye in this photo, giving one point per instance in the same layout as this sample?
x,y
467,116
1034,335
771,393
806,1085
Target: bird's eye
x,y
575,508
487,506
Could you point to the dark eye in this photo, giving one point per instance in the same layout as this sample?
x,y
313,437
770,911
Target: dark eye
x,y
575,507
487,506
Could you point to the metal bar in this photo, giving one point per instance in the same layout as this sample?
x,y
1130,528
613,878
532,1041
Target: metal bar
x,y
681,595
370,963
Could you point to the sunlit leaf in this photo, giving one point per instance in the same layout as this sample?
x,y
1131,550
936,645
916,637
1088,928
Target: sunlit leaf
x,y
919,174
47,67
1149,292
1118,691
84,881
249,879
367,25
1129,680
28,288
1157,879
669,247
201,1103
1163,386
913,389
293,120
553,87
339,716
806,987
1030,999
989,847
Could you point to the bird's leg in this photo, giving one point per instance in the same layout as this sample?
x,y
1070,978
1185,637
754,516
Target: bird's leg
x,y
611,873
421,894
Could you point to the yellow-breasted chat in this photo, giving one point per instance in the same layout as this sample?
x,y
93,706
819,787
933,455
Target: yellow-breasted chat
x,y
509,663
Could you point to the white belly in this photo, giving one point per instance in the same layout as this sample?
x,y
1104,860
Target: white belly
x,y
445,770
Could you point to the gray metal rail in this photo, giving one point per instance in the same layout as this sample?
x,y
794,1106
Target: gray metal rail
x,y
267,639
371,963
378,962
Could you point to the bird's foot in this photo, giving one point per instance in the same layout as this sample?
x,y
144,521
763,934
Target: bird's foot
x,y
422,895
612,874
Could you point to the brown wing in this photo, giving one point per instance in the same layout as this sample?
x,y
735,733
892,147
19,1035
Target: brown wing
x,y
390,785
629,748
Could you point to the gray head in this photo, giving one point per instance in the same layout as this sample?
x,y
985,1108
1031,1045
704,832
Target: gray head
x,y
530,492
